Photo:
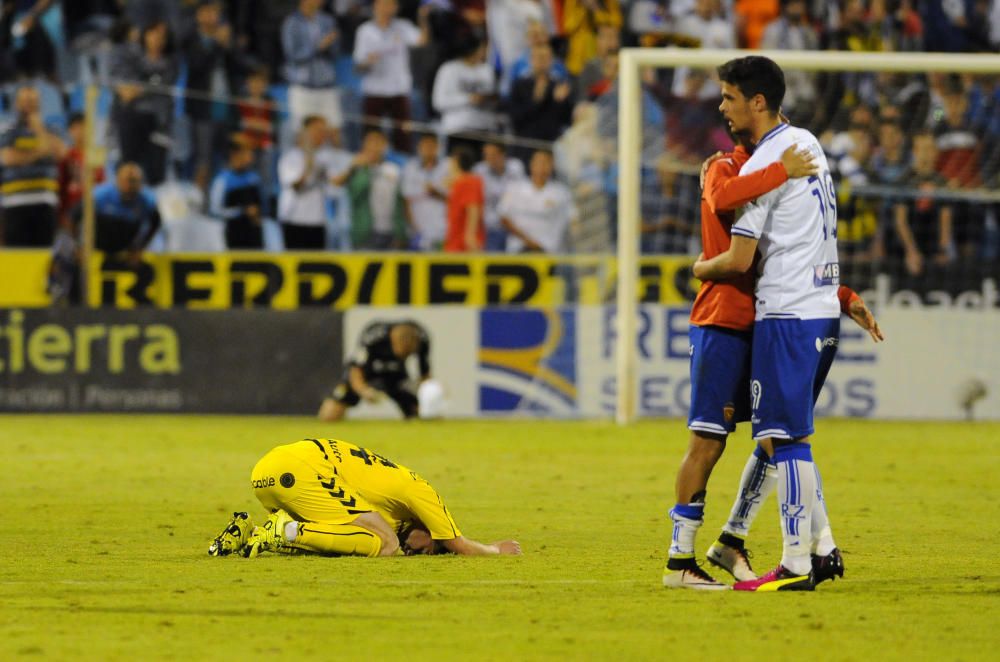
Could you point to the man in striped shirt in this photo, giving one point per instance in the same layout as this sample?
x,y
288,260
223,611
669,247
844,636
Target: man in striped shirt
x,y
29,178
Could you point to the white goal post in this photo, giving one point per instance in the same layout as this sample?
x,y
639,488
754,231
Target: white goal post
x,y
631,61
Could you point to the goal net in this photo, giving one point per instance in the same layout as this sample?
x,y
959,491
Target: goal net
x,y
913,143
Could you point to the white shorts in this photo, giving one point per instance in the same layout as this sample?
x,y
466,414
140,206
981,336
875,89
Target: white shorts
x,y
306,101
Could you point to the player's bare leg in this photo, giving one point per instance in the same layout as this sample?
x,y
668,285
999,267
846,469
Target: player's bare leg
x,y
682,571
330,410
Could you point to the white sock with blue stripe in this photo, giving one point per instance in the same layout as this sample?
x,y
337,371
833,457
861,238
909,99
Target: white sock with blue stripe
x,y
822,535
796,500
687,519
759,479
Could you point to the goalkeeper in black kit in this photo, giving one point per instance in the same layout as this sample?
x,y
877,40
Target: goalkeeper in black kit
x,y
377,369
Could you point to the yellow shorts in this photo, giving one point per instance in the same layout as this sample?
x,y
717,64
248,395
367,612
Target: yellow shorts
x,y
297,479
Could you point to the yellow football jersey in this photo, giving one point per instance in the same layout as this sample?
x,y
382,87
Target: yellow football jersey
x,y
365,479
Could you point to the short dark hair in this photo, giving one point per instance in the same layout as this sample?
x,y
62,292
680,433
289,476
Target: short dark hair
x,y
124,164
74,118
498,143
464,157
753,75
309,120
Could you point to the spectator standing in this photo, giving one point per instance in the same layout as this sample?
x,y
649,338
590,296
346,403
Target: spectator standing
x,y
669,210
507,22
308,37
126,215
592,81
211,64
752,17
536,36
303,178
582,160
581,18
237,197
466,231
792,31
29,184
958,146
425,189
71,171
498,172
540,108
651,21
705,27
891,163
378,212
538,212
26,48
382,55
144,103
465,92
923,225
256,111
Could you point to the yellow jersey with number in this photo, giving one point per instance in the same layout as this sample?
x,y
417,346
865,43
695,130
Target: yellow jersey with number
x,y
400,495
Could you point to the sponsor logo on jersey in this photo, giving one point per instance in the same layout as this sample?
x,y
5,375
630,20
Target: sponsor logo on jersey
x,y
826,274
287,480
262,482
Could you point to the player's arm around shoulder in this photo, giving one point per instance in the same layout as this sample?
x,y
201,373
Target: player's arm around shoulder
x,y
737,259
726,190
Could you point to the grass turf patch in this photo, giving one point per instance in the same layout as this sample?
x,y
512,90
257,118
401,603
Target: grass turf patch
x,y
108,520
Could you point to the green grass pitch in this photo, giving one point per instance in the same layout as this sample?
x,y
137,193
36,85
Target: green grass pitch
x,y
107,520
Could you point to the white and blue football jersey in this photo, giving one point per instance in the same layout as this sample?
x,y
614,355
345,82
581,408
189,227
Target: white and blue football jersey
x,y
796,224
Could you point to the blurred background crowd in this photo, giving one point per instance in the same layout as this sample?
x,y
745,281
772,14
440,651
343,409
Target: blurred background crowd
x,y
475,125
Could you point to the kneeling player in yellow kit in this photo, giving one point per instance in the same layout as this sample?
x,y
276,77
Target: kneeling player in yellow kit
x,y
331,497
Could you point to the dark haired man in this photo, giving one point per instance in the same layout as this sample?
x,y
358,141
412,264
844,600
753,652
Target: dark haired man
x,y
236,197
797,320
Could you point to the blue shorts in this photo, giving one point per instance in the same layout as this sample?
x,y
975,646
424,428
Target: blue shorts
x,y
791,359
720,378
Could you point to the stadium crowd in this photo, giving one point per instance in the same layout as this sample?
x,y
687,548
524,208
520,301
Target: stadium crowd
x,y
472,125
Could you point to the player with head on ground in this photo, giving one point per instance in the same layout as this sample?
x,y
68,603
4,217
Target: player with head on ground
x,y
797,314
722,321
332,498
378,369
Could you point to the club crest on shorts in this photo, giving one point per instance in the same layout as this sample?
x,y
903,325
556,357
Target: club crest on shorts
x,y
728,411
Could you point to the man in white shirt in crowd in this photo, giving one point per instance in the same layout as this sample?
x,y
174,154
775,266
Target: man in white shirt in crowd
x,y
465,92
304,176
705,26
382,56
537,212
425,189
498,172
308,38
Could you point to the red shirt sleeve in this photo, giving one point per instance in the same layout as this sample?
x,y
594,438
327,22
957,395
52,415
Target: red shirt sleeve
x,y
847,296
731,192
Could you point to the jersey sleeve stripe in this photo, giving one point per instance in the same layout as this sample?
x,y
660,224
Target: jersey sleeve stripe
x,y
744,233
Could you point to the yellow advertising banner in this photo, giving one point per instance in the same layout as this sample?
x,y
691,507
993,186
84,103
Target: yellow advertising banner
x,y
338,281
